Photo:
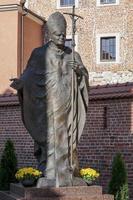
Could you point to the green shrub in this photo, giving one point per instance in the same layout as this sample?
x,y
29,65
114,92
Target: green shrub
x,y
123,193
118,185
4,179
8,166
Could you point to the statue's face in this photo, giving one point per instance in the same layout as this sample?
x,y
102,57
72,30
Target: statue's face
x,y
59,37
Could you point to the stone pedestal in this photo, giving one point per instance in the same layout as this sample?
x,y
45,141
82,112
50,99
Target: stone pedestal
x,y
18,192
44,182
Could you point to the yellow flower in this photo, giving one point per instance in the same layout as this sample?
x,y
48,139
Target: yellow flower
x,y
27,173
89,174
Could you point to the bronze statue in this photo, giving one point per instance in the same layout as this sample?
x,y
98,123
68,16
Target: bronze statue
x,y
45,94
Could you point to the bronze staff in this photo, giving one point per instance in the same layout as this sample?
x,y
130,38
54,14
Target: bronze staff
x,y
74,19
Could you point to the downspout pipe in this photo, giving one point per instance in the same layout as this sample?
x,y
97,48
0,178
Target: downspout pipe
x,y
24,13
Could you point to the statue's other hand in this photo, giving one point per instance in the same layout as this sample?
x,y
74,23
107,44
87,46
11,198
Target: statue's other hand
x,y
16,84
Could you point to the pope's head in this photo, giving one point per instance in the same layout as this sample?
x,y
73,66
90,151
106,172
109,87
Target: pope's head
x,y
57,28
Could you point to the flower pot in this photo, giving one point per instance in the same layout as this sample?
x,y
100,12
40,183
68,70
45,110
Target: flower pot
x,y
89,183
28,182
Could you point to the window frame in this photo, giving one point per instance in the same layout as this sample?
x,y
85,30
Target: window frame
x,y
98,48
63,7
76,40
27,3
107,4
70,38
104,42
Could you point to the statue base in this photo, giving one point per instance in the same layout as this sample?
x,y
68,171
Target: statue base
x,y
44,182
18,192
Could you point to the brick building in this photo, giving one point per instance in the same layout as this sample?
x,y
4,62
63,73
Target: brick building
x,y
104,37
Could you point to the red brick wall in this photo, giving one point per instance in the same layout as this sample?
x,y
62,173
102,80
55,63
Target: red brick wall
x,y
98,145
11,127
103,138
104,135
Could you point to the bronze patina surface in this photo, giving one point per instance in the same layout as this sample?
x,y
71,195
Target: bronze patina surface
x,y
45,93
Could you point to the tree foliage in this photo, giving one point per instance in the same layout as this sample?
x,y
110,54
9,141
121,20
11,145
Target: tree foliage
x,y
118,185
8,166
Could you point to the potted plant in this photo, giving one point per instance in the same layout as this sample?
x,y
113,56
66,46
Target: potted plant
x,y
28,176
89,175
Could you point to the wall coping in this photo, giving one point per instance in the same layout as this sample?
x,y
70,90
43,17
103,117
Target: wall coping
x,y
9,100
108,91
95,93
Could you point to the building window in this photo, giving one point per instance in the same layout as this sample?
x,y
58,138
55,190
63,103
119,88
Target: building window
x,y
68,42
66,3
26,3
107,48
107,2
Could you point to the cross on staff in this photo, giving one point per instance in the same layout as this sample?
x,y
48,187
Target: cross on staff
x,y
74,18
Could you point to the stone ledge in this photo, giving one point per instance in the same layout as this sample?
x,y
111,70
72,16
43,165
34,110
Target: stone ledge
x,y
85,197
100,197
108,197
17,189
8,196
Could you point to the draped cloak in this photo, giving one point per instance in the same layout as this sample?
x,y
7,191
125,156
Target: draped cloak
x,y
46,97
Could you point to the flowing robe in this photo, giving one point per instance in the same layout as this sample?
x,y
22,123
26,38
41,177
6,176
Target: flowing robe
x,y
46,97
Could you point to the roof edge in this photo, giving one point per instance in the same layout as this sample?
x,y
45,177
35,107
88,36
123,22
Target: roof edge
x,y
16,5
111,91
95,93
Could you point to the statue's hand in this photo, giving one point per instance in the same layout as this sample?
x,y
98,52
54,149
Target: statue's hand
x,y
80,70
74,65
16,84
